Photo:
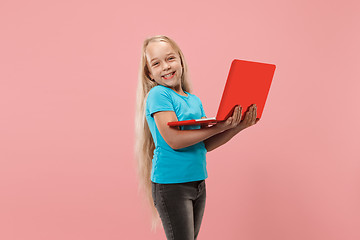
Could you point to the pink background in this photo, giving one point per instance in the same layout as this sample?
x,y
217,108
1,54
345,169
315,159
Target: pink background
x,y
67,97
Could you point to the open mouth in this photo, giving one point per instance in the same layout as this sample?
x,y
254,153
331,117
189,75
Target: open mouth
x,y
168,76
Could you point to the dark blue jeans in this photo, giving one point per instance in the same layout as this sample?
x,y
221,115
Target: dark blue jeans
x,y
181,208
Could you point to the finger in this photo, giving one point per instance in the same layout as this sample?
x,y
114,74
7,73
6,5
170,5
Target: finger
x,y
236,119
251,113
240,110
246,117
229,120
254,116
255,113
232,117
236,115
249,116
252,119
235,112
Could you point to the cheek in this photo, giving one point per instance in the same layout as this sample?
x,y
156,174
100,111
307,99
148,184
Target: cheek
x,y
156,73
178,66
180,69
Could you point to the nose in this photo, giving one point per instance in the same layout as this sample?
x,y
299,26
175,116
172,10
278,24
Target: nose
x,y
166,66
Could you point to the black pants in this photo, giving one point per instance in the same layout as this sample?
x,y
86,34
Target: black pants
x,y
181,208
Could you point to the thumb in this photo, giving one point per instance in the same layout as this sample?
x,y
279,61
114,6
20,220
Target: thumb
x,y
229,120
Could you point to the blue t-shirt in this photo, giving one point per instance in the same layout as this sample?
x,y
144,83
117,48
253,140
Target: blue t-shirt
x,y
182,165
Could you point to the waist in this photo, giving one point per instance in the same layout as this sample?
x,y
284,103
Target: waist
x,y
192,184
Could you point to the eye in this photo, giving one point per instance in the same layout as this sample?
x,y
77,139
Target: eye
x,y
155,64
171,57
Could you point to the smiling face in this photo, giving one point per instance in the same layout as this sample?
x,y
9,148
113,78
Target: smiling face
x,y
162,60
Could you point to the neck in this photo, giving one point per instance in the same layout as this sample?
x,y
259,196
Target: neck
x,y
179,90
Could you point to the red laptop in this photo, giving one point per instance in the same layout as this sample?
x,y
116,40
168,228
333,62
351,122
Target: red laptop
x,y
247,83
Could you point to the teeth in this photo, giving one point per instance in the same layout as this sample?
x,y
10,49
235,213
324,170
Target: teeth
x,y
168,75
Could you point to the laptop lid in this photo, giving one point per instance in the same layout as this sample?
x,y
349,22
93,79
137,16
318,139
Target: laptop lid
x,y
247,83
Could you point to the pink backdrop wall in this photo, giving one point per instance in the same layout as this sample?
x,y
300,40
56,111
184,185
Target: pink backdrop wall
x,y
68,75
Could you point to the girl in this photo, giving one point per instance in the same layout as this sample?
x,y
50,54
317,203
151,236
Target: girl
x,y
171,162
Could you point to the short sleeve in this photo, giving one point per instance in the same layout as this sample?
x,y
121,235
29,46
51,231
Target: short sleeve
x,y
158,100
202,110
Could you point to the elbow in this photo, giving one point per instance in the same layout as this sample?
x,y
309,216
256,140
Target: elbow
x,y
172,144
208,149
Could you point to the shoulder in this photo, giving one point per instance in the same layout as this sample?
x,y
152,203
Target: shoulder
x,y
159,90
194,97
158,99
158,95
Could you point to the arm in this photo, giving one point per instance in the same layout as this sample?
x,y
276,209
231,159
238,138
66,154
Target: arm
x,y
176,138
219,139
222,138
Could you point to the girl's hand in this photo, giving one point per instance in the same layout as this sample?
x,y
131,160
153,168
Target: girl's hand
x,y
232,121
235,120
249,120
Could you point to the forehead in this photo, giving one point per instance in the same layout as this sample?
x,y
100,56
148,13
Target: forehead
x,y
158,50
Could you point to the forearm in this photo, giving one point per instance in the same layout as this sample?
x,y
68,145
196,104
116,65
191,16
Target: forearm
x,y
220,139
185,138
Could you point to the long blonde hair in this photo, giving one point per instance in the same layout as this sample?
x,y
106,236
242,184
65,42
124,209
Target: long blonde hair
x,y
144,144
